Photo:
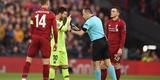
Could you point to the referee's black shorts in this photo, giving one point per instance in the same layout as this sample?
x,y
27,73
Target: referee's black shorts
x,y
100,49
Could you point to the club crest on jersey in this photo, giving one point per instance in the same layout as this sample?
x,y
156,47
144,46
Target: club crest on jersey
x,y
116,28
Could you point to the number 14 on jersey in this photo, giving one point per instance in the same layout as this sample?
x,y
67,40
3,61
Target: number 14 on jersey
x,y
41,21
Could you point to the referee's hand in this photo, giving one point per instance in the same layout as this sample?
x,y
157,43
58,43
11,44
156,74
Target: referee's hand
x,y
74,27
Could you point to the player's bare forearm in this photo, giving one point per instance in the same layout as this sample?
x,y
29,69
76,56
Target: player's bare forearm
x,y
68,24
55,35
55,31
55,47
55,38
66,27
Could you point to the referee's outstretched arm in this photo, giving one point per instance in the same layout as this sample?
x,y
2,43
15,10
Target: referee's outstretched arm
x,y
80,33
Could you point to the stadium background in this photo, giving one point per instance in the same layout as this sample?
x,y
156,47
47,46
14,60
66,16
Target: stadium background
x,y
143,29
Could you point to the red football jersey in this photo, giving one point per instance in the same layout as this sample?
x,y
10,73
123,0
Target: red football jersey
x,y
42,21
116,32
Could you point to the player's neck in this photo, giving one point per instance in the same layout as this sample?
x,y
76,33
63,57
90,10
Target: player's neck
x,y
57,17
45,6
115,18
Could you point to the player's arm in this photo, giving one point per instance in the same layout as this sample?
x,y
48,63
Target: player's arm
x,y
31,24
55,30
106,29
31,27
122,28
122,34
66,26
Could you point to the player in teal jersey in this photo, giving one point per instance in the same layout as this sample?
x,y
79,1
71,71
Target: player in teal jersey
x,y
59,58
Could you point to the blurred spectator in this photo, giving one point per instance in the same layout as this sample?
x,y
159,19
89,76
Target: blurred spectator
x,y
15,50
146,8
134,54
9,35
18,34
73,51
158,12
2,32
1,5
150,56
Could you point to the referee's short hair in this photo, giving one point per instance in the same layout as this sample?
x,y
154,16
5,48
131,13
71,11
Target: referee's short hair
x,y
88,10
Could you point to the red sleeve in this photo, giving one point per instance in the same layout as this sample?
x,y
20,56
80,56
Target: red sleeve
x,y
106,28
122,33
31,25
30,30
55,30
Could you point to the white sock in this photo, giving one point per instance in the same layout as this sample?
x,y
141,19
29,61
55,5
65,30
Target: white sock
x,y
24,79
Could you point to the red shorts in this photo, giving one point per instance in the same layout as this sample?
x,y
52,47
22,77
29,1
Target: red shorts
x,y
113,49
37,44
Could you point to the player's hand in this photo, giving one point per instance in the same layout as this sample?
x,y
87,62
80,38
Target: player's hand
x,y
119,53
55,47
69,28
69,18
30,40
116,57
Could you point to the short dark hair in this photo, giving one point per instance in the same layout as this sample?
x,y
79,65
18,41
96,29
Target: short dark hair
x,y
60,10
117,8
43,2
88,10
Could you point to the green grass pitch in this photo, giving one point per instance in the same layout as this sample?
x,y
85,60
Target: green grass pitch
x,y
38,76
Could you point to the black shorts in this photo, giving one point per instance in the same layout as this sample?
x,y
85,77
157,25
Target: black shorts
x,y
100,49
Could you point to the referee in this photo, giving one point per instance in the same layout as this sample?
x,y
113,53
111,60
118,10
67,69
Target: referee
x,y
93,26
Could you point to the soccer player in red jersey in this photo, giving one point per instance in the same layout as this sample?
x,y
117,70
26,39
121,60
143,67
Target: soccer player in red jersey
x,y
116,34
42,21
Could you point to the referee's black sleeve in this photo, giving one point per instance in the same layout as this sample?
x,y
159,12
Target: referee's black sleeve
x,y
84,29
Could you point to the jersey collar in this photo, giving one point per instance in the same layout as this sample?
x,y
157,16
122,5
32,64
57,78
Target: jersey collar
x,y
90,17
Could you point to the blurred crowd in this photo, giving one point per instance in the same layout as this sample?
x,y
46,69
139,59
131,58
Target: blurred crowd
x,y
147,8
15,16
138,54
14,26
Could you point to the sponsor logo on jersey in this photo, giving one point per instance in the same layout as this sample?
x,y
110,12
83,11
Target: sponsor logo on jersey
x,y
113,29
